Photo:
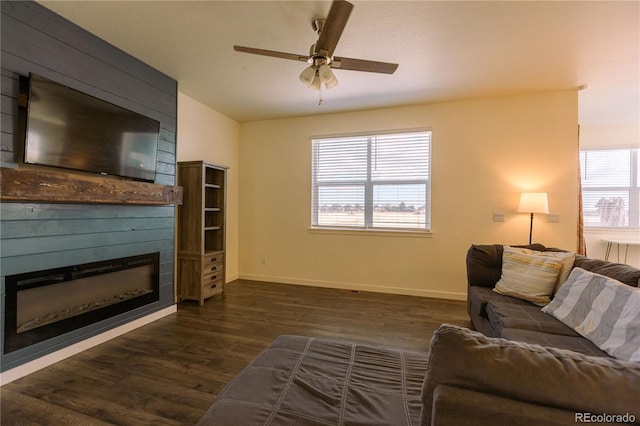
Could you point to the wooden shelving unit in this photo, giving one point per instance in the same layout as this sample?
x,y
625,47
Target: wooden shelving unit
x,y
201,230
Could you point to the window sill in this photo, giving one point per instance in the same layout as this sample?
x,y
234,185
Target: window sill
x,y
611,230
372,232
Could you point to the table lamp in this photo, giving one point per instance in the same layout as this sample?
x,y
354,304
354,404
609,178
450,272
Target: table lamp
x,y
533,202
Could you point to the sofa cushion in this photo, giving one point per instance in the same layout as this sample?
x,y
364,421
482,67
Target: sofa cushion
x,y
480,297
462,358
624,273
528,276
570,343
603,310
525,317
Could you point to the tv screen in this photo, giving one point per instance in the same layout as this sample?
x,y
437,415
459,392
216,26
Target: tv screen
x,y
73,130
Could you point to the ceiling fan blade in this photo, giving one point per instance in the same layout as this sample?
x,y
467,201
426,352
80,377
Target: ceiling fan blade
x,y
333,26
363,65
272,53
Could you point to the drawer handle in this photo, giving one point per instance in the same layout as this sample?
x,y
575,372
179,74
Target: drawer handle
x,y
213,277
213,268
214,285
213,259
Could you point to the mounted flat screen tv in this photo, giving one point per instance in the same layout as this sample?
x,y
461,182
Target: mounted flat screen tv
x,y
73,130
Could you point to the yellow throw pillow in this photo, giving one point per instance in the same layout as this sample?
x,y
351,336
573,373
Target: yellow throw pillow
x,y
567,259
528,276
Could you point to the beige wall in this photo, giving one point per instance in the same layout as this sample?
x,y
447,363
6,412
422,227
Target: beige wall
x,y
485,152
609,136
205,134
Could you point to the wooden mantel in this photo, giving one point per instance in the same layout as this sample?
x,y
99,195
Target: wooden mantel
x,y
37,185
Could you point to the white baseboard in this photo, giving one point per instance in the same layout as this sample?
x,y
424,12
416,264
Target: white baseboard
x,y
50,359
357,287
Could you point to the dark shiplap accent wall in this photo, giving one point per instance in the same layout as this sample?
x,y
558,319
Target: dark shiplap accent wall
x,y
37,236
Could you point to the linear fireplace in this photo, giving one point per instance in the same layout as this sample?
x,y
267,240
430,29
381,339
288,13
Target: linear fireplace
x,y
44,304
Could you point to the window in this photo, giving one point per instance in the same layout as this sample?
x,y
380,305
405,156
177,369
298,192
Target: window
x,y
372,181
610,192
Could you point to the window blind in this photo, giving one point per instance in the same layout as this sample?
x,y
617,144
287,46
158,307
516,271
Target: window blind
x,y
610,194
372,181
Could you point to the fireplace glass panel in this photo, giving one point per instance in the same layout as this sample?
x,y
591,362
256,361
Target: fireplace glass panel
x,y
44,304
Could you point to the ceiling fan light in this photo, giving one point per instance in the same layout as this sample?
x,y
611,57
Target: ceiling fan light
x,y
315,84
325,73
331,83
308,75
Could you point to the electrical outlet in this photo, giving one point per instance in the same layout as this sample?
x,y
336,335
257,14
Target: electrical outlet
x,y
263,260
498,217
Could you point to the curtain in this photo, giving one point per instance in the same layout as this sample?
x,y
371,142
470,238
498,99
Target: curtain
x,y
582,246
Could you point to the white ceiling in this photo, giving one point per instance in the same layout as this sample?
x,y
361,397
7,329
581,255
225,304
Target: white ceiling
x,y
446,51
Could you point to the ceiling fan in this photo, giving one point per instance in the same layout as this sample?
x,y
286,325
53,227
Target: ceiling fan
x,y
320,58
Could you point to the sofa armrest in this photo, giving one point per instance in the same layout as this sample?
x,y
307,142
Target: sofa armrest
x,y
534,374
484,265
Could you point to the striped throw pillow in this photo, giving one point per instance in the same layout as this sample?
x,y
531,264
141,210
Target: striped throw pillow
x,y
566,259
605,311
528,276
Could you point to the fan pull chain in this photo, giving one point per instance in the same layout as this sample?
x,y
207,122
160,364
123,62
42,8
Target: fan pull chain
x,y
320,95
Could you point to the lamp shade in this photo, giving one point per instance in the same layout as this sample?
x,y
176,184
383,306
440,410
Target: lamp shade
x,y
308,75
533,202
331,84
316,83
325,73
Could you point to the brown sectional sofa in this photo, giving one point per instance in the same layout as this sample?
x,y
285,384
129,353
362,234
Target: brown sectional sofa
x,y
496,315
466,378
477,380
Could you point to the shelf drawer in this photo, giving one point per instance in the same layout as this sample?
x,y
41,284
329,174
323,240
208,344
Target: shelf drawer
x,y
215,268
212,275
213,264
212,259
212,285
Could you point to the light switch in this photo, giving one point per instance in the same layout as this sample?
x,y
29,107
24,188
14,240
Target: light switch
x,y
553,218
498,217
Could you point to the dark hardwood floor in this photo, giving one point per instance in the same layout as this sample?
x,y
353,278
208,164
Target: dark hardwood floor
x,y
168,372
